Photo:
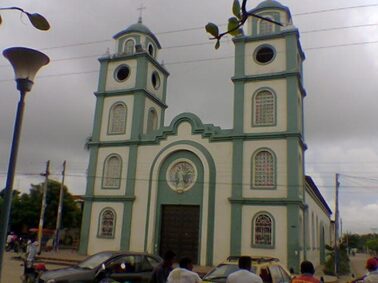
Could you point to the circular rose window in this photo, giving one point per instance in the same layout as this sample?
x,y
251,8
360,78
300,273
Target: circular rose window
x,y
181,176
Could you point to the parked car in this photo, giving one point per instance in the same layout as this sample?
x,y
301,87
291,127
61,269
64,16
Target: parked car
x,y
269,269
117,266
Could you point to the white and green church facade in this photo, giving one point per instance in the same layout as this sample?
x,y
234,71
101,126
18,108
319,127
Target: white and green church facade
x,y
194,188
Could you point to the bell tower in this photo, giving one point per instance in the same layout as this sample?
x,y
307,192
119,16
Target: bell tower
x,y
132,87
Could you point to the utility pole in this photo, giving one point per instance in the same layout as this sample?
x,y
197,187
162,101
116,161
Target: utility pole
x,y
337,225
60,207
43,207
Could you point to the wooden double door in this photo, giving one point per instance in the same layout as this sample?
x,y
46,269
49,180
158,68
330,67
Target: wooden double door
x,y
180,226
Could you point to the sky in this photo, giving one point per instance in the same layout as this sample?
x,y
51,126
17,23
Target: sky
x,y
339,38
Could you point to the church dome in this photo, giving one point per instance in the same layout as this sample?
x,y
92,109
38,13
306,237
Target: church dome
x,y
270,4
139,27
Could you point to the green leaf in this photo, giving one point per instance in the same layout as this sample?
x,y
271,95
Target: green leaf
x,y
232,27
236,9
217,44
38,21
212,29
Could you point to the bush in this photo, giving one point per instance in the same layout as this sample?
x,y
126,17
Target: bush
x,y
329,267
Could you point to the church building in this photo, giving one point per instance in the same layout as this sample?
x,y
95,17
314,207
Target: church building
x,y
194,188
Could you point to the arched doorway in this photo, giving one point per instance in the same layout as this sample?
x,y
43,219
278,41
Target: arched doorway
x,y
179,205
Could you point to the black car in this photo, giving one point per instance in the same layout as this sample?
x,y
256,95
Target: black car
x,y
114,266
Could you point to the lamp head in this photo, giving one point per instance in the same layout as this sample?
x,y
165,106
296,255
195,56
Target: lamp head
x,y
26,62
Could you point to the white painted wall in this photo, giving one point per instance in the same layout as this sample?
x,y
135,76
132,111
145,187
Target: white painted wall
x,y
113,84
108,103
280,89
313,251
279,147
280,219
149,103
103,153
221,153
278,64
158,92
97,244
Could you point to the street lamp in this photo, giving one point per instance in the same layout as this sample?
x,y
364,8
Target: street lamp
x,y
26,63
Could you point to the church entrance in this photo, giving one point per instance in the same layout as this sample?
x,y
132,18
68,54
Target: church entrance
x,y
180,230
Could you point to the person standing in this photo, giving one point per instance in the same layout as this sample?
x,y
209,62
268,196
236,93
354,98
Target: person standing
x,y
244,274
184,273
307,276
372,267
161,272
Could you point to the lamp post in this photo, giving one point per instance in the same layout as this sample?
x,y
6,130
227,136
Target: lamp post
x,y
26,63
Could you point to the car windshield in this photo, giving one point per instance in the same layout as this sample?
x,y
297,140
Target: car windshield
x,y
222,271
95,260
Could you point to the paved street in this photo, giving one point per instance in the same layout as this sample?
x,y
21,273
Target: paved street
x,y
13,269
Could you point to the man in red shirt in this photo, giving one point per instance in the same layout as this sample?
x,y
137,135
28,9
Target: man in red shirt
x,y
307,276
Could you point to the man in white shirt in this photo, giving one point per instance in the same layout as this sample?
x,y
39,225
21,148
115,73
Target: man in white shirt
x,y
244,274
184,273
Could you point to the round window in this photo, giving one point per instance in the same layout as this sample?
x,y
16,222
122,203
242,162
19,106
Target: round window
x,y
155,79
264,54
122,73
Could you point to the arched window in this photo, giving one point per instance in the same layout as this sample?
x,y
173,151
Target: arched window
x,y
265,26
262,230
264,109
117,119
129,47
152,120
264,169
107,223
112,172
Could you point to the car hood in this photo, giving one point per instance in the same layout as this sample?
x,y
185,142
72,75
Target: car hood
x,y
70,273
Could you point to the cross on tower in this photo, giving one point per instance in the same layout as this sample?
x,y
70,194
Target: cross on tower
x,y
140,9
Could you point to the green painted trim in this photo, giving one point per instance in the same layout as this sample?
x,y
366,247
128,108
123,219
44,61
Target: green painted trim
x,y
253,173
130,193
103,172
132,92
163,135
237,192
122,41
265,201
194,196
239,87
239,107
261,246
211,201
102,76
86,218
254,108
109,118
85,227
138,117
292,105
293,170
291,53
265,77
293,245
126,226
164,99
99,223
113,198
96,132
261,37
140,55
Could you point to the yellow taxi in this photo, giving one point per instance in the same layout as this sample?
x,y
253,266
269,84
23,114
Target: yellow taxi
x,y
268,268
